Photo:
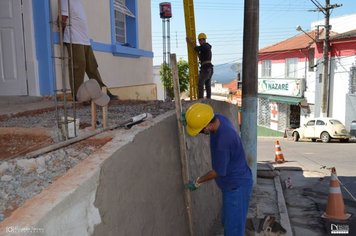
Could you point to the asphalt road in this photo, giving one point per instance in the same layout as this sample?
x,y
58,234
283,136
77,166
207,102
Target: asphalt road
x,y
312,155
307,165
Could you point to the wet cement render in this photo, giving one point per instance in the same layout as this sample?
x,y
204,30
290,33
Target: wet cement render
x,y
22,178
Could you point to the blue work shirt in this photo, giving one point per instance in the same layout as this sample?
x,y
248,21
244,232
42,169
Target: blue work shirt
x,y
228,157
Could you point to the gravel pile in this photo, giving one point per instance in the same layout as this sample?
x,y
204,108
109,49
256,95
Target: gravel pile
x,y
21,179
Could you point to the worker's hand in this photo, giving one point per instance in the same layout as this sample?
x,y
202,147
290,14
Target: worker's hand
x,y
189,41
62,20
193,185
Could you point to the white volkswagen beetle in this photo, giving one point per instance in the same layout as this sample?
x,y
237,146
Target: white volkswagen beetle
x,y
322,128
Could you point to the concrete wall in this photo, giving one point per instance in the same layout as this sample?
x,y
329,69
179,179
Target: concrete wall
x,y
132,186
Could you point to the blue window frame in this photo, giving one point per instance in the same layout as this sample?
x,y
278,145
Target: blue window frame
x,y
124,28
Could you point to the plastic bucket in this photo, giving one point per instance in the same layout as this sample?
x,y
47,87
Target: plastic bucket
x,y
73,127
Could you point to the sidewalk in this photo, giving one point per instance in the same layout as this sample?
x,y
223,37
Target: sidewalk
x,y
10,105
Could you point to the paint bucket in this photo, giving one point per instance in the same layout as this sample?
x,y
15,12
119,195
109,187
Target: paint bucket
x,y
73,127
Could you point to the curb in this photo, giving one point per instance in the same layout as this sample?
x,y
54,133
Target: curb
x,y
283,212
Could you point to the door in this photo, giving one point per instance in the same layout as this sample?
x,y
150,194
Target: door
x,y
309,131
319,128
13,79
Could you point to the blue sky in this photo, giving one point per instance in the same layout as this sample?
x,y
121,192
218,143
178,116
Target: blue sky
x,y
222,21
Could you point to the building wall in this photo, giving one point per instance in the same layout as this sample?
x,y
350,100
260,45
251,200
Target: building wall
x,y
279,67
116,70
119,71
339,24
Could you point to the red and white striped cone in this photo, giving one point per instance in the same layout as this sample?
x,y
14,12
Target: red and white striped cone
x,y
279,158
335,208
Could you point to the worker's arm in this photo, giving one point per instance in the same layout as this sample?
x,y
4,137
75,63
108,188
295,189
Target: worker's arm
x,y
208,176
195,184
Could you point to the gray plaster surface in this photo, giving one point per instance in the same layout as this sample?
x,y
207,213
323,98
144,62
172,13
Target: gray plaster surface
x,y
137,189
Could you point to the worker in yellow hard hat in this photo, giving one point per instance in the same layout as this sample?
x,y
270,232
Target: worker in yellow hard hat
x,y
206,67
229,166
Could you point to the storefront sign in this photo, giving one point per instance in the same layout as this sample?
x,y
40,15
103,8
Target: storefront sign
x,y
283,87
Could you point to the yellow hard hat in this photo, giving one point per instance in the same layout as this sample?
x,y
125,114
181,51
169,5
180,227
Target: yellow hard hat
x,y
202,36
198,116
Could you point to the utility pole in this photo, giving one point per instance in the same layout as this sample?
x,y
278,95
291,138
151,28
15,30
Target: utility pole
x,y
325,101
326,80
249,83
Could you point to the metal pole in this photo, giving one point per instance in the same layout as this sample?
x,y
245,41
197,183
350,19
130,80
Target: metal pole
x,y
61,45
325,98
164,41
168,43
249,83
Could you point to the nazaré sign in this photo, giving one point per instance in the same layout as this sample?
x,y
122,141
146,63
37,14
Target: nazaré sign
x,y
283,87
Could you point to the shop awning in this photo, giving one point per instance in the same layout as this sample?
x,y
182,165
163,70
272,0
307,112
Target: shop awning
x,y
282,99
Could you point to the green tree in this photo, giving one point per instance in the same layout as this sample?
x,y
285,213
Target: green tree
x,y
167,77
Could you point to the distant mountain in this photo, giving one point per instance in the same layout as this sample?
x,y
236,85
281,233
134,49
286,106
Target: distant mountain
x,y
224,73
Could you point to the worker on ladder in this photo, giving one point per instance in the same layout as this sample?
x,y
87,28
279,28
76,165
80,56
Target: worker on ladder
x,y
206,67
77,41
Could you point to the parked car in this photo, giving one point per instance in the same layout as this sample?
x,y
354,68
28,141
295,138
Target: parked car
x,y
322,128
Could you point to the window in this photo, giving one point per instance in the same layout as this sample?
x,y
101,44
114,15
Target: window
x,y
311,57
352,84
124,22
320,122
266,68
291,67
311,123
335,122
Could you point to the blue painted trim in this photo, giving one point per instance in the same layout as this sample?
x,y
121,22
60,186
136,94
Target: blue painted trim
x,y
131,24
41,19
112,22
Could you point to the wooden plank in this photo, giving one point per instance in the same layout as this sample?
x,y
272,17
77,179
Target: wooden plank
x,y
182,141
93,115
105,110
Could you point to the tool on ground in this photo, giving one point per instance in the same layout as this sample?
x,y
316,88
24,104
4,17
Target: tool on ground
x,y
279,158
137,119
124,124
335,208
288,182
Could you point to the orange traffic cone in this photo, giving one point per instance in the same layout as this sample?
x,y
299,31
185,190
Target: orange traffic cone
x,y
335,208
279,158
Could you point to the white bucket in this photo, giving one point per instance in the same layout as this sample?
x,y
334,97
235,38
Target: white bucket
x,y
71,132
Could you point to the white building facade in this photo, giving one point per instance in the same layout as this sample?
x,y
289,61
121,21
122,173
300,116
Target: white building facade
x,y
121,39
291,79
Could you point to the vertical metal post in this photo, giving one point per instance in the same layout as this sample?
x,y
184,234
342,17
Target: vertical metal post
x,y
249,83
168,43
164,41
64,86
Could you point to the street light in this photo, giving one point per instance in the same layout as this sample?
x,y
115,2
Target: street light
x,y
326,81
299,28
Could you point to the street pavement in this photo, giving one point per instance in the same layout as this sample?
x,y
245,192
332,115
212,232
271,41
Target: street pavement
x,y
308,167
